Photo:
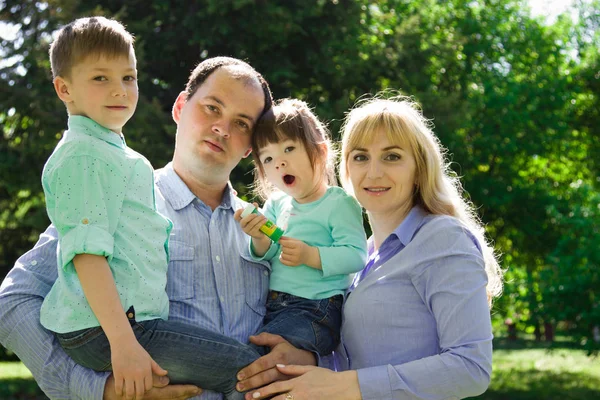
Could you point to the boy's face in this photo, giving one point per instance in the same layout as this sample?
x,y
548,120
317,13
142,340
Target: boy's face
x,y
103,89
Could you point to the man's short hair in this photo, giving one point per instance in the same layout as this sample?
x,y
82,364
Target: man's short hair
x,y
210,65
88,36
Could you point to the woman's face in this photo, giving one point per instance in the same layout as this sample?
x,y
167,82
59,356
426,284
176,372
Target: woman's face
x,y
383,176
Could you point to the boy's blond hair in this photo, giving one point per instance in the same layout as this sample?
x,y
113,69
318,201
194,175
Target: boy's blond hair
x,y
85,37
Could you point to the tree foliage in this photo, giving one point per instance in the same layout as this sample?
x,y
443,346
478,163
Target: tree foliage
x,y
513,98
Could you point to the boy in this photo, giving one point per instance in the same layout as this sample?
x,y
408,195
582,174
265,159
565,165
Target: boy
x,y
100,196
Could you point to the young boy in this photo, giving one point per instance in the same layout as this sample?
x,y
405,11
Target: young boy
x,y
108,306
100,196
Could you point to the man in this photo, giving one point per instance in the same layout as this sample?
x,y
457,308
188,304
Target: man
x,y
212,281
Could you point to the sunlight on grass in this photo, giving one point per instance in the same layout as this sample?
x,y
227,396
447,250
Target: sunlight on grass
x,y
14,369
538,373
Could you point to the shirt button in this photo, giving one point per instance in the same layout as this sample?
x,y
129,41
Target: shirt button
x,y
130,315
265,272
85,221
218,258
222,299
34,262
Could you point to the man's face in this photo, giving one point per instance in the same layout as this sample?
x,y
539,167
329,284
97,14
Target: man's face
x,y
215,125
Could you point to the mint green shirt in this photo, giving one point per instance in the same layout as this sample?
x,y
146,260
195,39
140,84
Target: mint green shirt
x,y
334,225
100,197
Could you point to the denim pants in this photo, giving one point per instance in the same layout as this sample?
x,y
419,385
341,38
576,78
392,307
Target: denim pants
x,y
193,355
208,359
312,325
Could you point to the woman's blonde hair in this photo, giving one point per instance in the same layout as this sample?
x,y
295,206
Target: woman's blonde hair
x,y
437,188
293,119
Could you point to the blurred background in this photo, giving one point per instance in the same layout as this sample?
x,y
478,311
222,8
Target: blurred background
x,y
511,86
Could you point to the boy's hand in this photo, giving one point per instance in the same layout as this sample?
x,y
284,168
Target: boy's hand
x,y
133,368
295,252
251,223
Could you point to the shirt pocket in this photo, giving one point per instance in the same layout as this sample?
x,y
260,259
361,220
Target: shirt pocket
x,y
256,285
180,274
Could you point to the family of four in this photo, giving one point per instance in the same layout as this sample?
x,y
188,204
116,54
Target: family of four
x,y
151,284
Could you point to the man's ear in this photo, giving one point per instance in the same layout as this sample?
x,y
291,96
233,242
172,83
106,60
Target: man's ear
x,y
178,106
247,153
62,88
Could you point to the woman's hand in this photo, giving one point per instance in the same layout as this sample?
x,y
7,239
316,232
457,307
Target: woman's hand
x,y
311,383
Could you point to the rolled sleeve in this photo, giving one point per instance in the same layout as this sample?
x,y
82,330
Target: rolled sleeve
x,y
84,197
88,239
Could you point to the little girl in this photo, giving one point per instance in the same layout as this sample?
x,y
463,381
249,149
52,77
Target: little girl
x,y
324,238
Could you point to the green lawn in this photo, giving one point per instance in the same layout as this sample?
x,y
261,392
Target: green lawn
x,y
524,370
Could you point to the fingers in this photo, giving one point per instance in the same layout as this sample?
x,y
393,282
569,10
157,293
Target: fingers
x,y
270,390
237,215
267,339
294,370
173,392
157,369
140,386
261,379
118,385
291,260
129,389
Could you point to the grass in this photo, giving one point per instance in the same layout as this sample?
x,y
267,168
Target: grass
x,y
16,383
523,370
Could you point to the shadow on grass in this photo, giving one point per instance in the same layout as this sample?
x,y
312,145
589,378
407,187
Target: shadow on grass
x,y
518,384
20,389
522,344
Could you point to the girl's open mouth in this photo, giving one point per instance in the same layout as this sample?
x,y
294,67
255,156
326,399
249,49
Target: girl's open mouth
x,y
289,179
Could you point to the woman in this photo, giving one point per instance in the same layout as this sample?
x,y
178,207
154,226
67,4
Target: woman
x,y
416,319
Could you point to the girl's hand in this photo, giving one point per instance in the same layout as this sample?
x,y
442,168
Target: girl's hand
x,y
251,223
133,368
311,383
295,252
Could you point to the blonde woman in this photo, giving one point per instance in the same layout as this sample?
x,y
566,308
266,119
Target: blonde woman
x,y
416,319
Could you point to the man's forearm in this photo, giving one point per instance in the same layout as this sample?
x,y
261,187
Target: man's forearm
x,y
21,332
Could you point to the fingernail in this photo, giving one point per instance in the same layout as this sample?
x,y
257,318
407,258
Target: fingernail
x,y
239,387
255,395
241,376
281,365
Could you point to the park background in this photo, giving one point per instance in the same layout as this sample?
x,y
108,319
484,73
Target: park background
x,y
513,95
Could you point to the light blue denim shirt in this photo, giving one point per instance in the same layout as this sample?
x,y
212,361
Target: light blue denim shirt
x,y
212,282
417,325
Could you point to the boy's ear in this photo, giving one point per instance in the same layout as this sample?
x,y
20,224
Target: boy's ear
x,y
61,86
178,106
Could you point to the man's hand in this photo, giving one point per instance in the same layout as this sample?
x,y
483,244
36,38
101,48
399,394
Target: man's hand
x,y
161,390
263,371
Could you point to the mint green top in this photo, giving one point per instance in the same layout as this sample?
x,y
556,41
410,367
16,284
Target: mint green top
x,y
334,225
100,197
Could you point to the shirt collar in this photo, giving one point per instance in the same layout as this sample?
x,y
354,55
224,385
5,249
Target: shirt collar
x,y
410,225
180,195
79,124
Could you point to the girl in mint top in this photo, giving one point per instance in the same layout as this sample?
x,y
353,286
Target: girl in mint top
x,y
324,242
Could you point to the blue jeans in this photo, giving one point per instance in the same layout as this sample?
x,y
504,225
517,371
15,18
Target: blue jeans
x,y
193,355
208,359
312,325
